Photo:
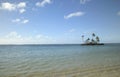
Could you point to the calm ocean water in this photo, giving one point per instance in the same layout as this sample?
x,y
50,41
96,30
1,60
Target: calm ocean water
x,y
22,60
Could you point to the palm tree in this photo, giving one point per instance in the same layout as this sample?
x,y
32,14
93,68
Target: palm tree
x,y
93,41
83,38
87,41
97,39
93,35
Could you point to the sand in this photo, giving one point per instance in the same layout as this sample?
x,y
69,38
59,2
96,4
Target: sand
x,y
109,71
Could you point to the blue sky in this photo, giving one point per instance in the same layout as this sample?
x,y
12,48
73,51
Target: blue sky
x,y
58,21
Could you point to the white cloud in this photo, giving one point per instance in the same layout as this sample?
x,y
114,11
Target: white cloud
x,y
8,6
15,38
13,35
43,3
39,36
21,5
75,14
16,20
13,7
25,21
22,10
84,1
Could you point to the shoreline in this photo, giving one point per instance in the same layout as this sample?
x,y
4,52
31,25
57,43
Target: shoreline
x,y
100,71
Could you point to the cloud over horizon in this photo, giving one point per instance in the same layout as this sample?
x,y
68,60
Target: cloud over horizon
x,y
15,38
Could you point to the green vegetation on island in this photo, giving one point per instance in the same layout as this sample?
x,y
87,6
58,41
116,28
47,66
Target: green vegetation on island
x,y
95,40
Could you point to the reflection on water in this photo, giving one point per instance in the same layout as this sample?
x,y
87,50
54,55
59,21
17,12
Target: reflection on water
x,y
57,60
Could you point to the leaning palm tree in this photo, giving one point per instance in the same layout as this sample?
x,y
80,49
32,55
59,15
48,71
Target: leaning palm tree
x,y
83,38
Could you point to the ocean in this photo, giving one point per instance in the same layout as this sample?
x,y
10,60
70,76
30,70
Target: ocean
x,y
60,60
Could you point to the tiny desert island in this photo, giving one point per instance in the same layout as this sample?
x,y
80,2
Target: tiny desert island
x,y
94,41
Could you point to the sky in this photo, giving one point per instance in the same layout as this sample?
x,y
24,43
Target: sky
x,y
58,21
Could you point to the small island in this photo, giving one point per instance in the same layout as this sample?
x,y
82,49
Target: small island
x,y
94,41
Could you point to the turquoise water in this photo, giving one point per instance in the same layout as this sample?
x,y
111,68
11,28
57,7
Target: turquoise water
x,y
27,59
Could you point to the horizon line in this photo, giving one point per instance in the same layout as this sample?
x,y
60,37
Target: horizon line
x,y
55,44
